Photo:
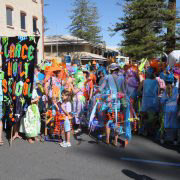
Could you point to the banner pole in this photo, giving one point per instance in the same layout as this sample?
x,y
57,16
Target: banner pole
x,y
12,128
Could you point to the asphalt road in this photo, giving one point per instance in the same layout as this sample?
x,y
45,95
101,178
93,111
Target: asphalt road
x,y
142,159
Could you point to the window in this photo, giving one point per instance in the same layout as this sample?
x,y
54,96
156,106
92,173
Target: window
x,y
9,16
23,20
34,24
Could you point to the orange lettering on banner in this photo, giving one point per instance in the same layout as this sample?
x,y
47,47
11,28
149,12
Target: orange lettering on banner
x,y
24,47
9,69
4,84
25,90
12,50
22,74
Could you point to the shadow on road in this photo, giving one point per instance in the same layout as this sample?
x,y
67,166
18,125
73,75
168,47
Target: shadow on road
x,y
52,179
166,145
135,176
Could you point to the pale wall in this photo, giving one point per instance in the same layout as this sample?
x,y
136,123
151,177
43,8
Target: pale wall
x,y
31,9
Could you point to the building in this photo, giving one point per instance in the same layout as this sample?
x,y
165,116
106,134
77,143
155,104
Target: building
x,y
59,46
23,18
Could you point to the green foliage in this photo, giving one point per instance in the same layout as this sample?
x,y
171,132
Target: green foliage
x,y
84,21
144,27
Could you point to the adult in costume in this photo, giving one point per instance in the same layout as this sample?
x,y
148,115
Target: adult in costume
x,y
111,89
150,102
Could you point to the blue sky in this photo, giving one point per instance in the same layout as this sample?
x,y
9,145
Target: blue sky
x,y
58,12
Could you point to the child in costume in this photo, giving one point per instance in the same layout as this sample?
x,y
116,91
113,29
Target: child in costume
x,y
169,101
78,99
31,123
65,109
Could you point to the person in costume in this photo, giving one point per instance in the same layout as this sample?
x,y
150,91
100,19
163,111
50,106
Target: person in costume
x,y
78,99
150,102
1,106
132,84
65,109
53,86
36,73
30,124
111,87
169,101
88,85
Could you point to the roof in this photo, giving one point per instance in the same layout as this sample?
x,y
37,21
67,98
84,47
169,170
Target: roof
x,y
67,39
112,48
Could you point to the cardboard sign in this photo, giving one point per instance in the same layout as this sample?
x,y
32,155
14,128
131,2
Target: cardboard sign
x,y
19,56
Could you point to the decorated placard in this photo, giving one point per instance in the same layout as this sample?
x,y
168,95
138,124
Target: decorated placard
x,y
19,56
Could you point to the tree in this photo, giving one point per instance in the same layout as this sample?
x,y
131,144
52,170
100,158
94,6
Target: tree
x,y
45,23
171,27
84,21
140,25
144,27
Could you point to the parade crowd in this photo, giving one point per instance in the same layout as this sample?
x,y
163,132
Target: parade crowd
x,y
113,101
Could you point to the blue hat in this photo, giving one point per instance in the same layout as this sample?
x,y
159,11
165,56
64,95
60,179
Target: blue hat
x,y
113,66
169,78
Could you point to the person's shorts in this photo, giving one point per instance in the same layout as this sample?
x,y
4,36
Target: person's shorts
x,y
67,126
110,124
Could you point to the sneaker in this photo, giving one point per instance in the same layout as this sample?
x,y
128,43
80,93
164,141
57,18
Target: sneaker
x,y
65,145
77,131
62,143
68,144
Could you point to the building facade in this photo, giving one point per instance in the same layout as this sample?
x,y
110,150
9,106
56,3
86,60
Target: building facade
x,y
23,18
79,49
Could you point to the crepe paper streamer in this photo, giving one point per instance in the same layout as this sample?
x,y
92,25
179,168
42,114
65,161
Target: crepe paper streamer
x,y
1,91
143,62
92,116
1,75
41,76
116,113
